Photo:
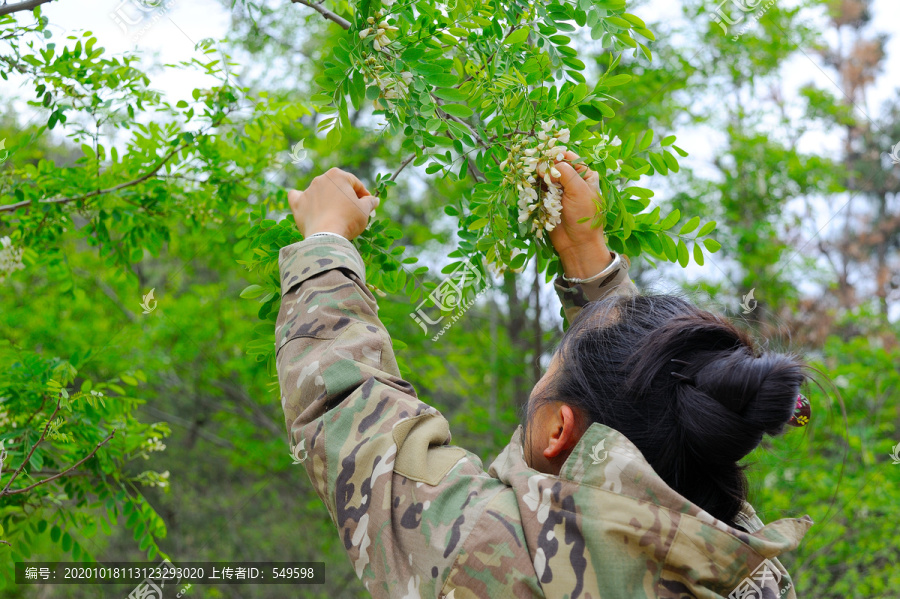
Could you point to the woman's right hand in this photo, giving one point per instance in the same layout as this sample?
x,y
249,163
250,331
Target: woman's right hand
x,y
581,248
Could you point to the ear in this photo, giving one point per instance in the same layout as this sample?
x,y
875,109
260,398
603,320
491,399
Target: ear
x,y
563,435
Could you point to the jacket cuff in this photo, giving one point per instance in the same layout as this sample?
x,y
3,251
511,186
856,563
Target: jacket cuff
x,y
574,296
305,259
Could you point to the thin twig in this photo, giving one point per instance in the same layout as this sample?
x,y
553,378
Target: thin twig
x,y
325,13
99,192
29,5
33,447
67,470
402,166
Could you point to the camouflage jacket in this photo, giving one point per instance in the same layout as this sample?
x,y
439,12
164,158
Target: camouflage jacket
x,y
419,517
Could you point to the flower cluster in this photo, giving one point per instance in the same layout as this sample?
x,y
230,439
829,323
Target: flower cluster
x,y
393,87
153,444
6,420
10,258
532,171
154,479
378,32
605,141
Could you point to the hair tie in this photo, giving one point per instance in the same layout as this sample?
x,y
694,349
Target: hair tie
x,y
802,412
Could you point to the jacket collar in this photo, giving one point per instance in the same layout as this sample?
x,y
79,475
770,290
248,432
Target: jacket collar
x,y
606,460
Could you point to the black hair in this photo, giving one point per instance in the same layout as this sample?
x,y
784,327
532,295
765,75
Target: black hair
x,y
689,388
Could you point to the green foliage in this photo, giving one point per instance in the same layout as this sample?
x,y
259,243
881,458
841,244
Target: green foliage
x,y
462,88
67,443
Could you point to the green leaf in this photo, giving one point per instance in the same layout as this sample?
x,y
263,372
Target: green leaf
x,y
442,79
669,247
252,291
479,224
603,108
590,112
646,140
712,245
689,226
616,80
698,254
457,110
518,262
706,229
518,36
450,94
658,163
670,220
670,161
683,254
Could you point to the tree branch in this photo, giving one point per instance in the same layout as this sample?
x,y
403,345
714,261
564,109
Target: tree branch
x,y
325,13
33,447
172,418
29,5
98,192
67,470
402,166
238,394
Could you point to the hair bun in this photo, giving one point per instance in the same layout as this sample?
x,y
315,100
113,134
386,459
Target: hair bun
x,y
735,396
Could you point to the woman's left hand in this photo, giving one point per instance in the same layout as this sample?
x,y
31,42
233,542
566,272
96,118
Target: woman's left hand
x,y
336,202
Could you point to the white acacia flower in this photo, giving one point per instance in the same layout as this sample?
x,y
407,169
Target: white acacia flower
x,y
543,207
10,258
364,33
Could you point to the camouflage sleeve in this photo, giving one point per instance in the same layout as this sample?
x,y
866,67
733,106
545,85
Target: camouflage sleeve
x,y
402,499
575,297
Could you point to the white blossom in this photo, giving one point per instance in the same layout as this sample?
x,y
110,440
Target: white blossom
x,y
10,258
542,206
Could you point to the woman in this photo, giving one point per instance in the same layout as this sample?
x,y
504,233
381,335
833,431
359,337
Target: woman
x,y
624,481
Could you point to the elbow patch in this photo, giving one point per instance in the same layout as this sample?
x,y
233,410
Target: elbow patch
x,y
421,453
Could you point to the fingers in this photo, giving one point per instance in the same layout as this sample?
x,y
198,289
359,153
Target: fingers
x,y
569,178
580,167
370,203
358,188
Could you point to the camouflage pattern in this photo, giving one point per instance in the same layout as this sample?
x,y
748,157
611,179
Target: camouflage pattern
x,y
421,518
575,297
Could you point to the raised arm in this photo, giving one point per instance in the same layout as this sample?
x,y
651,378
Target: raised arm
x,y
582,249
403,500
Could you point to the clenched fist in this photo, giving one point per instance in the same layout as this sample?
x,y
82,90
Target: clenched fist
x,y
582,249
336,202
